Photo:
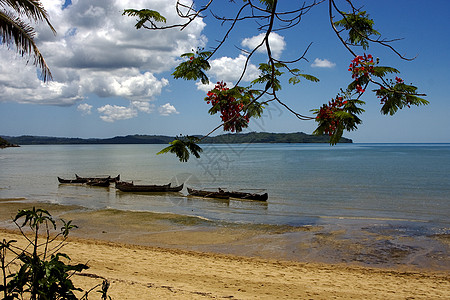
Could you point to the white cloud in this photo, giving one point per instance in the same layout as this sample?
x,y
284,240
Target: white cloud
x,y
230,69
112,113
167,109
128,83
205,87
276,42
143,106
99,51
322,63
84,108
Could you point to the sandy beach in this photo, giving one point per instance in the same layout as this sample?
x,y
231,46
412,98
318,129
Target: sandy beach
x,y
149,272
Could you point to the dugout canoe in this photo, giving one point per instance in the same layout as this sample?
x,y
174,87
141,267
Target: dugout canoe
x,y
152,188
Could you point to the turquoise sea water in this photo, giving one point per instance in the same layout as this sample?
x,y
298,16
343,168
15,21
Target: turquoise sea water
x,y
406,184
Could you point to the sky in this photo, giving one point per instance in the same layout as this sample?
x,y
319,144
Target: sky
x,y
110,79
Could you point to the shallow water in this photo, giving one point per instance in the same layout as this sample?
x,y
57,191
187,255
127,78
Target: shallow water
x,y
398,193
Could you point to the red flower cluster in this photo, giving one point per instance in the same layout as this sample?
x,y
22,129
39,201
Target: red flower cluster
x,y
230,108
361,66
359,89
327,114
398,79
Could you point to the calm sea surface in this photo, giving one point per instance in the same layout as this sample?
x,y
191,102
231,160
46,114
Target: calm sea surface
x,y
407,185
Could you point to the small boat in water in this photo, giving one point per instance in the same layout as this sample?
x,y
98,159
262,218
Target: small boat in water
x,y
109,178
62,180
220,194
98,182
131,187
248,196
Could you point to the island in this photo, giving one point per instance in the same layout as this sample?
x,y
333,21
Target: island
x,y
240,138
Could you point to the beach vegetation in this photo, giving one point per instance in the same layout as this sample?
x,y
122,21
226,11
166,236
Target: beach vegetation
x,y
237,104
39,270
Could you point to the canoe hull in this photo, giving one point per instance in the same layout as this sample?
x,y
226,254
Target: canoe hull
x,y
208,194
130,187
221,194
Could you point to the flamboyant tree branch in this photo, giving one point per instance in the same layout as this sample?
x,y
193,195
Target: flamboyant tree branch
x,y
235,103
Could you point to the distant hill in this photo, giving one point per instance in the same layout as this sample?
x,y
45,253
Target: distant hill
x,y
252,137
4,143
265,137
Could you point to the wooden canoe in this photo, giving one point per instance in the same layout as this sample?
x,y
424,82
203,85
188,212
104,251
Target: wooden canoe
x,y
248,196
208,194
220,193
98,182
111,179
62,180
131,187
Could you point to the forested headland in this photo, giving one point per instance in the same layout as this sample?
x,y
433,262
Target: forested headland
x,y
4,143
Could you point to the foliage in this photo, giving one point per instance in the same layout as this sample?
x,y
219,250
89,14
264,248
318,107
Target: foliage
x,y
195,67
43,272
15,31
182,147
359,27
144,16
238,105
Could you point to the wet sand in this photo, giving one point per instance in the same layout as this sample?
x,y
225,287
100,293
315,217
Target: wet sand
x,y
150,256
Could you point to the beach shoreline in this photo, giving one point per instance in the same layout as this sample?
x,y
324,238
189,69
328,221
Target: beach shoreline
x,y
143,272
187,258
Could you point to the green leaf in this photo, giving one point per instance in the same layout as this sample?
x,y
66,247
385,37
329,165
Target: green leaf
x,y
399,96
381,71
359,26
183,148
144,15
294,80
194,68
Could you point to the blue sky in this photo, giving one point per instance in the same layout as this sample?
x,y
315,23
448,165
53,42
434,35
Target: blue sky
x,y
111,79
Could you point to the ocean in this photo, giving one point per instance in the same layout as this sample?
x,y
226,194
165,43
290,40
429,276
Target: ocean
x,y
400,189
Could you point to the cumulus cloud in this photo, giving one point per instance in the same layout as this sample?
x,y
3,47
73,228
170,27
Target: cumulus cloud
x,y
143,106
205,87
112,113
230,69
276,42
167,110
322,63
85,109
99,51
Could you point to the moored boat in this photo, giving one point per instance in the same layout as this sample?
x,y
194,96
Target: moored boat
x,y
248,196
109,178
220,194
62,180
98,182
131,187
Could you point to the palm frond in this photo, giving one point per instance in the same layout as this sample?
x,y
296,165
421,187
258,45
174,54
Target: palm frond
x,y
14,31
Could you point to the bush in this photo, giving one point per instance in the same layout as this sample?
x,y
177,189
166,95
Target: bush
x,y
43,272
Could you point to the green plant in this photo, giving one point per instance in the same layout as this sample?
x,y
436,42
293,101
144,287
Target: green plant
x,y
43,272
